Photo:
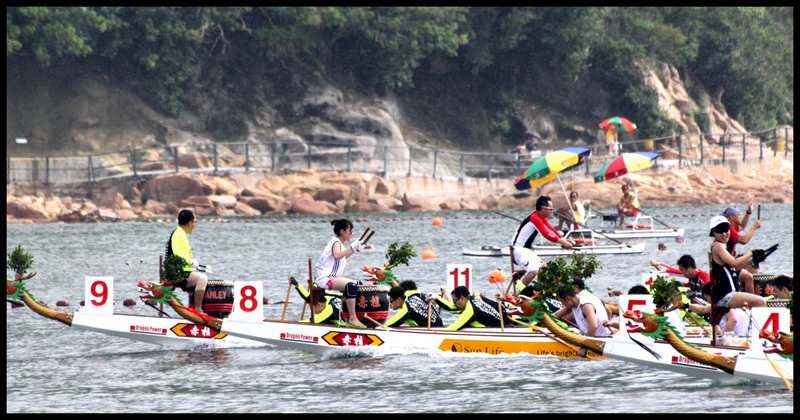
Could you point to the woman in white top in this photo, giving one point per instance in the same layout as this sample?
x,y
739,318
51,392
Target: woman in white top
x,y
331,263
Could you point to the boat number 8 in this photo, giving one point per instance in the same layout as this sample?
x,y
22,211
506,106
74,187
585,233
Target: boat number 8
x,y
248,302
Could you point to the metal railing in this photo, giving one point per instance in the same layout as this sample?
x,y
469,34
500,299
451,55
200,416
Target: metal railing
x,y
388,161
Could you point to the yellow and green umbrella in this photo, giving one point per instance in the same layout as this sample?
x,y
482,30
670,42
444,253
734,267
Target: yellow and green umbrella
x,y
546,168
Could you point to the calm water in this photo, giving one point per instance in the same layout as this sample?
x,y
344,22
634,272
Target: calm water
x,y
52,368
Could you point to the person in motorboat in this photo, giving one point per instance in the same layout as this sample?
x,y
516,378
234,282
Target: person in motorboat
x,y
476,310
327,304
687,267
738,224
527,232
584,309
412,307
178,244
725,283
578,212
329,270
628,205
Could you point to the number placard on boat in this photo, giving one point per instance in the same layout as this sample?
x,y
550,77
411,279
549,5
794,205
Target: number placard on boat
x,y
247,298
459,275
99,295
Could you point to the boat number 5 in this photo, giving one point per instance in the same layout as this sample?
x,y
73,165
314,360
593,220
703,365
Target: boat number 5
x,y
459,275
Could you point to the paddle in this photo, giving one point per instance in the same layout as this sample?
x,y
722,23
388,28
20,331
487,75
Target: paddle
x,y
286,302
550,335
557,213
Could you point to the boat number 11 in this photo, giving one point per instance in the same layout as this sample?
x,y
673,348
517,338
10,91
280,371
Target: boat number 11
x,y
459,275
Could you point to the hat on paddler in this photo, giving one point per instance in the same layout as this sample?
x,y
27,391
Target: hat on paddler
x,y
716,221
730,211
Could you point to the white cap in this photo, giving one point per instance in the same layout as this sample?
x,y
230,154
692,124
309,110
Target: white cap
x,y
716,221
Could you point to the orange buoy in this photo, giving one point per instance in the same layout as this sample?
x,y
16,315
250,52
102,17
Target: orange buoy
x,y
427,253
437,221
497,276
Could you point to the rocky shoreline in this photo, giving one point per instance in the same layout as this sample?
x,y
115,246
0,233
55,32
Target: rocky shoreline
x,y
319,193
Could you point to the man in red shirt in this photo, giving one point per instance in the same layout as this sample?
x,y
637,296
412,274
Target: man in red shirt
x,y
687,268
528,231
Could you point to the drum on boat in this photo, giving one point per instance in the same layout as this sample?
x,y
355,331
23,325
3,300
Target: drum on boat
x,y
372,300
218,300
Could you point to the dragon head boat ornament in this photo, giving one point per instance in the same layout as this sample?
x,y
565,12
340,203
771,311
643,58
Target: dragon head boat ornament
x,y
164,293
16,290
784,343
657,327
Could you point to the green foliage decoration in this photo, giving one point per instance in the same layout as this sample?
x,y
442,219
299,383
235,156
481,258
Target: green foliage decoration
x,y
399,254
664,291
172,269
19,260
584,265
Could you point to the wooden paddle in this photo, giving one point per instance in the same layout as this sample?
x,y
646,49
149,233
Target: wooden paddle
x,y
286,302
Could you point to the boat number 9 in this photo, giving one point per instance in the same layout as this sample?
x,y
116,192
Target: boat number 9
x,y
248,302
99,290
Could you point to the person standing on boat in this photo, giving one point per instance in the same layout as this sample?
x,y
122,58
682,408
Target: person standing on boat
x,y
687,268
738,223
331,263
327,304
725,283
178,244
526,234
412,307
587,311
628,205
578,212
476,310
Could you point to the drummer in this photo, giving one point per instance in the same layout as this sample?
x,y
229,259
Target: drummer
x,y
331,263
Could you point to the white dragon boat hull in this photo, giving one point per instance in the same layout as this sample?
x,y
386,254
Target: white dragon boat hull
x,y
752,363
168,332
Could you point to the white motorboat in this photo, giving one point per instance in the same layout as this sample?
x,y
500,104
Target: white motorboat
x,y
586,242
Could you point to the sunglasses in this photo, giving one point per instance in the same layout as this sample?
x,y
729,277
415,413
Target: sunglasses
x,y
720,229
548,208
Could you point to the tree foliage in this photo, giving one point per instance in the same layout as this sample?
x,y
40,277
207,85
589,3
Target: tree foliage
x,y
743,55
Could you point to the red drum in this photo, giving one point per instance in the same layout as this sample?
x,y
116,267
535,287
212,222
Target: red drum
x,y
218,301
372,300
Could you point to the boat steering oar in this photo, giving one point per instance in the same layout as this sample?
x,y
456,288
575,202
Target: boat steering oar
x,y
551,336
557,213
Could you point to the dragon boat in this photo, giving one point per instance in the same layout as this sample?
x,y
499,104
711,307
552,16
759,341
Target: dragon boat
x,y
585,243
247,321
98,315
644,338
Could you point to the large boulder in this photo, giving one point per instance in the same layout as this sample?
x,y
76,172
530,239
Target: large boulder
x,y
173,188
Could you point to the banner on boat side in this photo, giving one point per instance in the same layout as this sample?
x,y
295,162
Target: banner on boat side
x,y
98,295
338,338
459,275
196,331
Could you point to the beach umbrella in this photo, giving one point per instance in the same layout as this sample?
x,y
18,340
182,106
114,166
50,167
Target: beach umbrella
x,y
624,163
620,123
546,168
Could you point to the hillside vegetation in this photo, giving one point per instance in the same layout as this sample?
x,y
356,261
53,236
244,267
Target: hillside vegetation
x,y
458,73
